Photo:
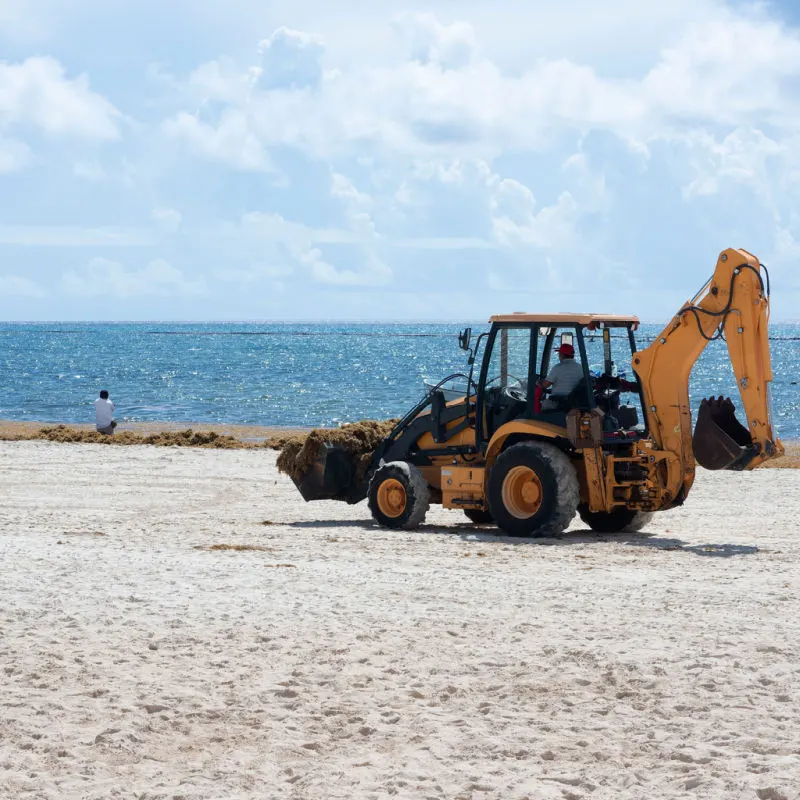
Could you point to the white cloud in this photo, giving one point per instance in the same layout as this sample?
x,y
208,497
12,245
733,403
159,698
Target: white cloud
x,y
467,198
427,40
298,245
725,71
357,205
450,96
374,273
741,157
14,286
105,278
217,81
290,59
231,141
552,226
37,92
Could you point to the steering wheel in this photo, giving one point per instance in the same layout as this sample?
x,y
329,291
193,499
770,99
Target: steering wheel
x,y
515,394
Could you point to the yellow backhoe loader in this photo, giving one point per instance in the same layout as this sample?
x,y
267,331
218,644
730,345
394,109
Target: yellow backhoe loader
x,y
508,454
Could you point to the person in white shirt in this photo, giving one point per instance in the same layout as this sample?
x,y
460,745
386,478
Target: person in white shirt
x,y
563,377
104,411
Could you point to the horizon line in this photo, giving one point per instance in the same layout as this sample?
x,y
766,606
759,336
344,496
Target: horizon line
x,y
303,321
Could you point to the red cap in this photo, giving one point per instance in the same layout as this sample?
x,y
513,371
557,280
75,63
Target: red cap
x,y
567,350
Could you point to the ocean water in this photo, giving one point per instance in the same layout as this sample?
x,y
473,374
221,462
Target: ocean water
x,y
282,374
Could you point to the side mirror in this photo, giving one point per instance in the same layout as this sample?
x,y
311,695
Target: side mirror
x,y
464,338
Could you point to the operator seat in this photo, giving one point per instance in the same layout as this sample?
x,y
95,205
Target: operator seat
x,y
577,398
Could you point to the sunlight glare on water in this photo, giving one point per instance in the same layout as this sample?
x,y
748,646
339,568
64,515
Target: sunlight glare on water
x,y
283,374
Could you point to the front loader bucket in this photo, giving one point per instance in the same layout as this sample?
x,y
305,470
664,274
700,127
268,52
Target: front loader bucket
x,y
330,476
720,441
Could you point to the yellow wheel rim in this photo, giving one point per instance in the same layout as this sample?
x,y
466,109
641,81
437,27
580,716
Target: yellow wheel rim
x,y
392,498
522,492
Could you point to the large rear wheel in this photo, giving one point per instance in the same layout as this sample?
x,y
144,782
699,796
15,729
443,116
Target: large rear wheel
x,y
619,520
533,490
398,495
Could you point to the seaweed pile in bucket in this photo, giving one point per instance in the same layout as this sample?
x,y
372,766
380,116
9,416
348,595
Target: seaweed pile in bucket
x,y
358,439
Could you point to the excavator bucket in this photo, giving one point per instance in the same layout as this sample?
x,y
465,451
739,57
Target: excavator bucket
x,y
720,441
329,477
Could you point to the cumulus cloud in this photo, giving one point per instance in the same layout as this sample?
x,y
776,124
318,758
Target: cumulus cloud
x,y
290,59
428,41
37,92
357,205
302,247
706,75
744,156
105,278
447,93
230,141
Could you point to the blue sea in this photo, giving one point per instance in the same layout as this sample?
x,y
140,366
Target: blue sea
x,y
281,374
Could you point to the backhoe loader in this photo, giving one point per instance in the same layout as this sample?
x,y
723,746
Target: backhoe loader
x,y
505,455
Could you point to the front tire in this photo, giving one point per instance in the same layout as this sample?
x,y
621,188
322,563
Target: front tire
x,y
620,520
398,496
533,490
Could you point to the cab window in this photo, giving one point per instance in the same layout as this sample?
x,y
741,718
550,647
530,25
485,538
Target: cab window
x,y
508,365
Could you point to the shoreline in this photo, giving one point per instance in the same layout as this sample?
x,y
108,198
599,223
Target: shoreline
x,y
253,435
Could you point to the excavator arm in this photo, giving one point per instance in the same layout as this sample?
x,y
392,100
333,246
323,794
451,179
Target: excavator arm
x,y
734,304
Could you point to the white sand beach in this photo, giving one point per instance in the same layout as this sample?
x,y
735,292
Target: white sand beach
x,y
335,659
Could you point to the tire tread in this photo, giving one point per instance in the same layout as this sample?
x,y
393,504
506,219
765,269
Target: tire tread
x,y
417,490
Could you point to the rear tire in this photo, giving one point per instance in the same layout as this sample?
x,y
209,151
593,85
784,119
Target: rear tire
x,y
398,496
620,520
479,516
533,490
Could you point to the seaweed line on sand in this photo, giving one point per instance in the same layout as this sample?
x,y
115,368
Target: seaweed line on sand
x,y
186,438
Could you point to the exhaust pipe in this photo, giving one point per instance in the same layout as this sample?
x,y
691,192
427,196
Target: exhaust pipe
x,y
720,441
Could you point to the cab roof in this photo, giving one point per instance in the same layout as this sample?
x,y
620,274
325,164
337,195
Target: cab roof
x,y
609,320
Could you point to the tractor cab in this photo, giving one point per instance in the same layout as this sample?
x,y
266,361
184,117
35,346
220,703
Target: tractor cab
x,y
539,367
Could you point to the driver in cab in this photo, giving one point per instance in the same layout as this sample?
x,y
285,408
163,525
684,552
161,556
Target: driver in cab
x,y
562,378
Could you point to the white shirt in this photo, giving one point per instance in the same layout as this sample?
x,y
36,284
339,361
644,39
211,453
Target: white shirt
x,y
105,412
565,376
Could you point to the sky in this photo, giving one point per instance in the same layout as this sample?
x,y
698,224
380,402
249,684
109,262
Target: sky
x,y
303,160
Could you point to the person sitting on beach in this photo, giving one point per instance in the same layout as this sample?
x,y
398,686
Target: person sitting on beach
x,y
104,411
563,377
